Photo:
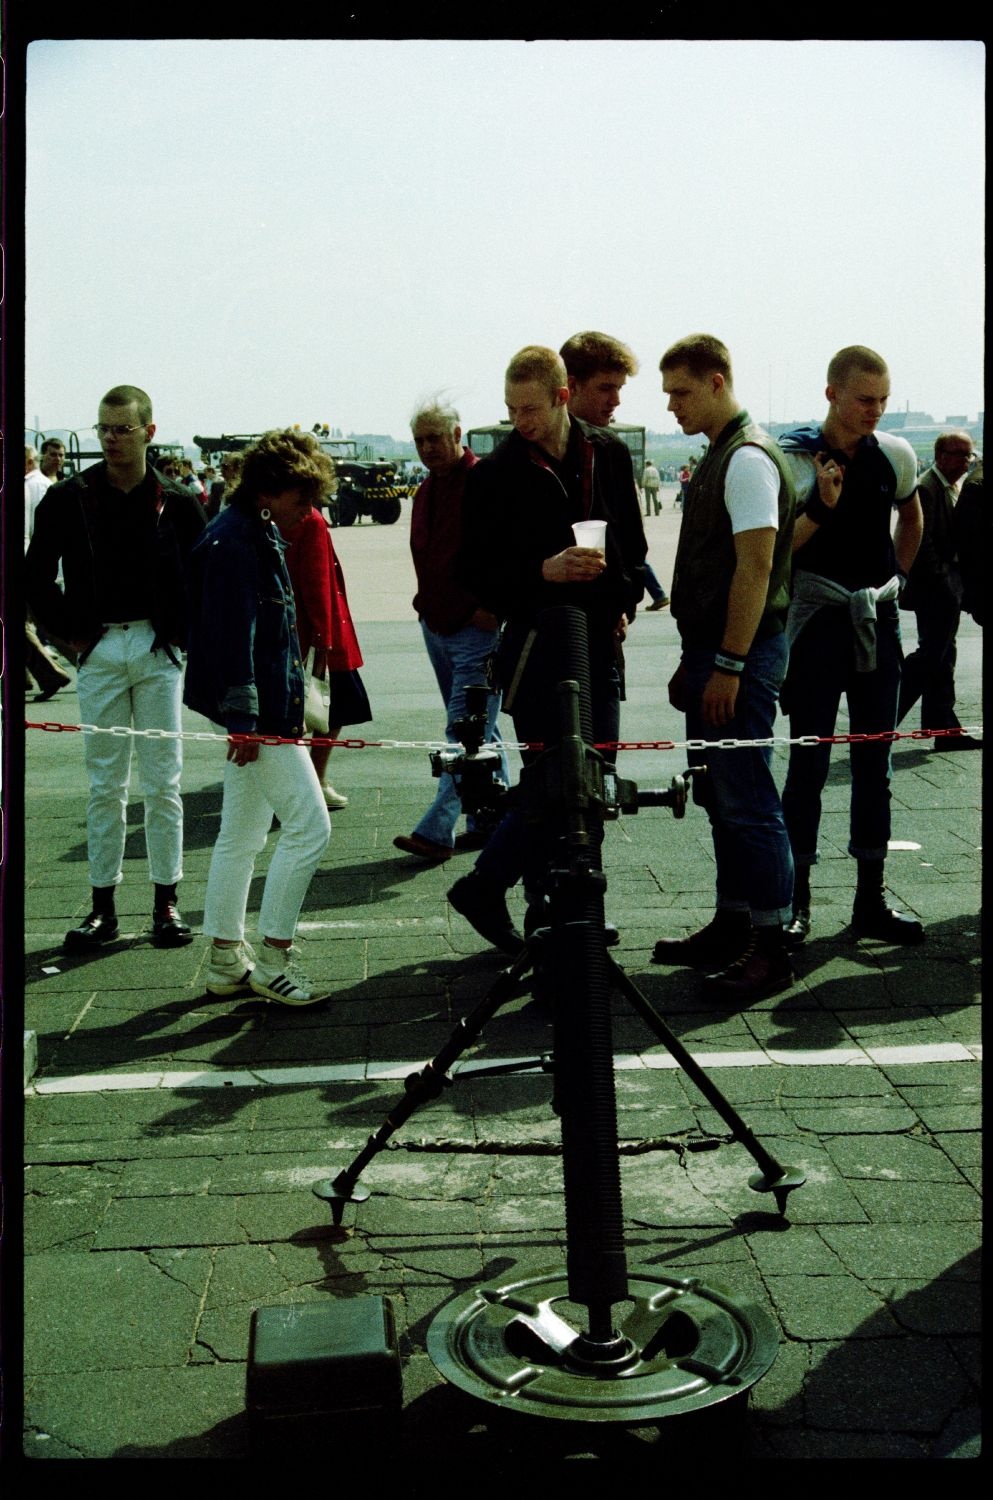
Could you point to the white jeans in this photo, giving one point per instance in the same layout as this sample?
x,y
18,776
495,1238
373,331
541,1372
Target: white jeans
x,y
282,781
123,683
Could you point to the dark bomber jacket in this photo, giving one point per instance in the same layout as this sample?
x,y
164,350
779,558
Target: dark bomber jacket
x,y
69,524
243,668
517,514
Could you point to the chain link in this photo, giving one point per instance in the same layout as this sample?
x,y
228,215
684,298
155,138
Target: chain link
x,y
201,735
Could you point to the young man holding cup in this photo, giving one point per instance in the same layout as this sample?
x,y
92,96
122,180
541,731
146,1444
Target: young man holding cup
x,y
520,555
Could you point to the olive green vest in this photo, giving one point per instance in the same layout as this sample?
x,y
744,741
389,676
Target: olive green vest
x,y
705,556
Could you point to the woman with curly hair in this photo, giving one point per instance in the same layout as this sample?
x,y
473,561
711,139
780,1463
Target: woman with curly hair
x,y
244,672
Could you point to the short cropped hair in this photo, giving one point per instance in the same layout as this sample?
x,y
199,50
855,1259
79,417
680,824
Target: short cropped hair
x,y
436,411
856,359
53,443
283,460
700,353
535,362
30,454
123,395
586,354
946,439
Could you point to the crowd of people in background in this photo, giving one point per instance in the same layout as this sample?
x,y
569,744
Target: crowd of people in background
x,y
787,584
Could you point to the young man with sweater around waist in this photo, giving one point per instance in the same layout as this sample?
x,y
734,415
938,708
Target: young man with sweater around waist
x,y
844,627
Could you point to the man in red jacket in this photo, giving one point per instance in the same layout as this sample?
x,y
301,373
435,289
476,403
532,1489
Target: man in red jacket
x,y
459,635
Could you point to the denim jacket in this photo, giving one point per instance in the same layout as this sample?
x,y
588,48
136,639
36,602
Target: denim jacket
x,y
243,669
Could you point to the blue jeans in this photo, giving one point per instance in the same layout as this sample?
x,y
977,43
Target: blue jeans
x,y
653,587
459,662
822,667
751,846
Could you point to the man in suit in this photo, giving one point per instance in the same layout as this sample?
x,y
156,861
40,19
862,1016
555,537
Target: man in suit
x,y
934,593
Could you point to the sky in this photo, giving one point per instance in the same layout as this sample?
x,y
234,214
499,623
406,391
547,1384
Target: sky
x,y
263,232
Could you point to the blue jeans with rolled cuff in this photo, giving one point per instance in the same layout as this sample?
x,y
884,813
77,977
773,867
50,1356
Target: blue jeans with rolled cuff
x,y
751,845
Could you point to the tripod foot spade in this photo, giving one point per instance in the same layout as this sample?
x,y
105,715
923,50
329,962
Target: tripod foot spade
x,y
678,1346
780,1187
337,1194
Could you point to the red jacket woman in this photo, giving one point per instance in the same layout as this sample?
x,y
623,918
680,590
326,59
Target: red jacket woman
x,y
324,624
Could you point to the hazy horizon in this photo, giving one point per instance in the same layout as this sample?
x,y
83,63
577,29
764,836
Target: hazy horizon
x,y
284,232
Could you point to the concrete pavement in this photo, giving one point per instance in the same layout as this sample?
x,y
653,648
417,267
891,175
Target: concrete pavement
x,y
172,1138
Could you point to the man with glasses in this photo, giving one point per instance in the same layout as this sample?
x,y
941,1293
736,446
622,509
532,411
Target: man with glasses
x,y
122,533
934,593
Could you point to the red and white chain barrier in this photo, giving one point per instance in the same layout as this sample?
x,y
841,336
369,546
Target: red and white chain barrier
x,y
889,735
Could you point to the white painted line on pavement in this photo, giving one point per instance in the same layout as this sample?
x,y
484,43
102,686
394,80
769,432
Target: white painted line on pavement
x,y
98,1083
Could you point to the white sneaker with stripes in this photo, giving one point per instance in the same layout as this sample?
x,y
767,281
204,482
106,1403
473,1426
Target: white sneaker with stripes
x,y
277,976
230,969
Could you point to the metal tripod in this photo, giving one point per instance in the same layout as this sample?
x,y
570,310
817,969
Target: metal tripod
x,y
676,1344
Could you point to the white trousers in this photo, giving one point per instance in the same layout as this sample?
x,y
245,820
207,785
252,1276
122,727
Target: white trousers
x,y
123,683
282,781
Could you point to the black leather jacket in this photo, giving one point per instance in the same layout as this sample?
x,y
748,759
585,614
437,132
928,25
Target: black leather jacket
x,y
517,514
69,527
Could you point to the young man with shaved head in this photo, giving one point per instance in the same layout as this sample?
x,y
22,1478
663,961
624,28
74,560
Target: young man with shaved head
x,y
849,563
730,592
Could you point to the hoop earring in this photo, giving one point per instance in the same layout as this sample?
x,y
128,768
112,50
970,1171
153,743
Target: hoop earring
x,y
265,513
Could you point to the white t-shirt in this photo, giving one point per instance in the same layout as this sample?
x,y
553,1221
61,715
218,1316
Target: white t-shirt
x,y
751,490
35,485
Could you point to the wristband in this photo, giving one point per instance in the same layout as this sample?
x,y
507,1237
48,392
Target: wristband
x,y
727,661
815,510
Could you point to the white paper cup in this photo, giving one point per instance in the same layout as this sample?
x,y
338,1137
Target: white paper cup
x,y
591,534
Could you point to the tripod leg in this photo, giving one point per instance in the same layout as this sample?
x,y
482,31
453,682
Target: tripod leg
x,y
771,1177
419,1087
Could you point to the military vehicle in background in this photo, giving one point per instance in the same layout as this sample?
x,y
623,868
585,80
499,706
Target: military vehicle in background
x,y
483,440
366,486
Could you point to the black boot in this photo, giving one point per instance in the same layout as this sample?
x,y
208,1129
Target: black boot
x,y
871,917
484,907
725,938
763,969
99,927
168,928
797,931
